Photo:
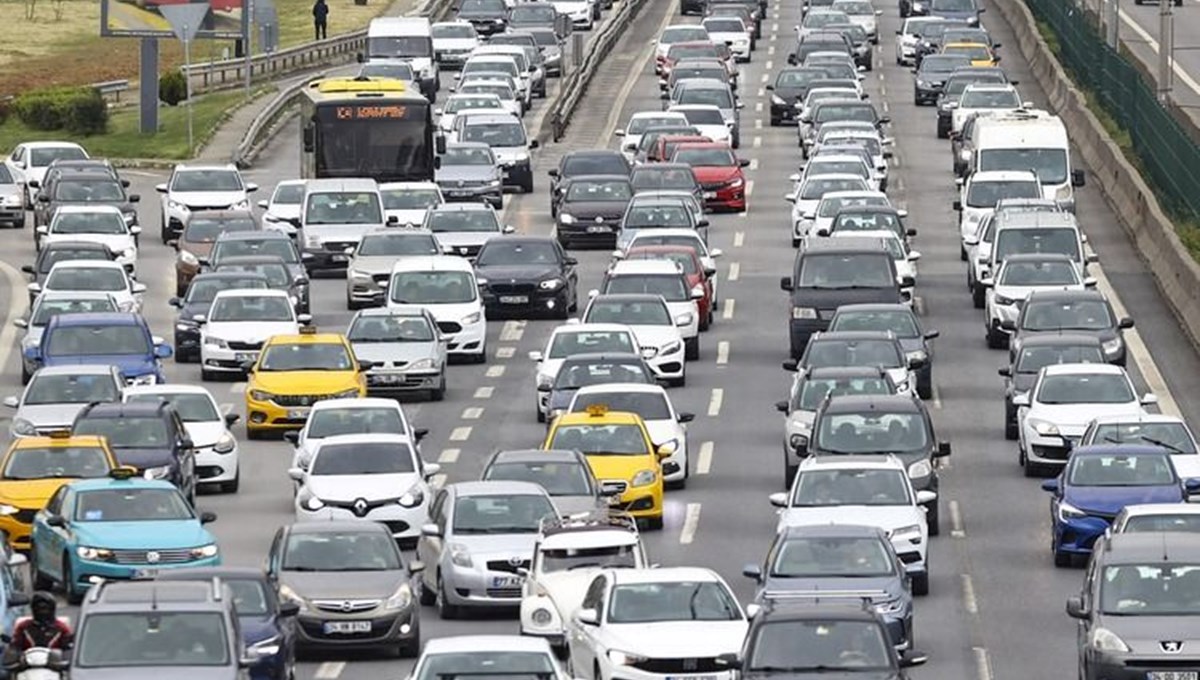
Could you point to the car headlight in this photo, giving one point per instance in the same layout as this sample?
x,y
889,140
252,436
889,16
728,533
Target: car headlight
x,y
624,658
345,394
685,319
401,599
1003,300
23,427
310,502
460,556
188,258
212,341
1067,512
919,469
176,205
889,607
736,182
550,284
494,184
777,100
260,395
89,553
566,218
312,241
922,83
412,498
360,275
520,157
157,472
671,347
542,616
225,444
421,364
1044,427
1112,346
268,647
203,551
288,593
911,532
917,355
804,313
644,478
1104,640
471,318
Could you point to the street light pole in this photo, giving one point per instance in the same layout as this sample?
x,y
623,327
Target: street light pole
x,y
1166,48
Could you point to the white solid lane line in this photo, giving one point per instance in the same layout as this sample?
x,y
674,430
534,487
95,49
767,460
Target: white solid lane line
x,y
714,402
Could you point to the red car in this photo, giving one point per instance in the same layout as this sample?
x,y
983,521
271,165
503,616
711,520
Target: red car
x,y
693,269
719,172
664,146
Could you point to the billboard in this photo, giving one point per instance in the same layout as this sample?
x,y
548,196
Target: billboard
x,y
225,19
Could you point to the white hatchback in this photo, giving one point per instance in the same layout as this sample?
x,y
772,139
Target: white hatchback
x,y
446,286
237,325
217,459
663,422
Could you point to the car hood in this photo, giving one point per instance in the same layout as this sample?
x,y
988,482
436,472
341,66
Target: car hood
x,y
1144,634
1077,416
586,210
567,588
886,517
467,173
257,628
374,264
878,589
47,415
311,382
143,458
130,365
662,431
678,639
714,173
156,535
341,232
517,273
344,585
413,216
7,190
499,546
832,298
349,488
570,505
206,433
617,467
1023,292
821,675
31,492
123,206
455,239
394,352
244,331
1109,500
655,336
208,199
114,242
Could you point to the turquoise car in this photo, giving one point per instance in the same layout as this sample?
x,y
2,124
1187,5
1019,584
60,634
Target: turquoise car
x,y
117,528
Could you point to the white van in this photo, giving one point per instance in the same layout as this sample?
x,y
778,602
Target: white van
x,y
334,216
446,286
407,39
1040,233
1029,139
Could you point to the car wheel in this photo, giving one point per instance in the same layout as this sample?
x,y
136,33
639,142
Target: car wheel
x,y
654,524
1010,425
446,610
480,358
795,242
352,305
207,375
439,394
920,583
255,434
426,596
1062,559
232,485
68,582
681,381
691,349
978,295
541,417
26,376
995,338
933,519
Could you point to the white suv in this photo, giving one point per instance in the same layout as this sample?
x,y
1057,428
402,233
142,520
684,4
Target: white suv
x,y
193,188
446,286
653,326
664,278
237,325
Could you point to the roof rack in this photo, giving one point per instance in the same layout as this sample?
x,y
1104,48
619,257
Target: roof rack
x,y
599,519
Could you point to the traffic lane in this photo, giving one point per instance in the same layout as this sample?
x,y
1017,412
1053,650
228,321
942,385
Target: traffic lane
x,y
1140,31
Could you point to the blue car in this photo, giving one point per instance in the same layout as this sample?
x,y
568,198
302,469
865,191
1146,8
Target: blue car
x,y
116,528
121,339
1097,483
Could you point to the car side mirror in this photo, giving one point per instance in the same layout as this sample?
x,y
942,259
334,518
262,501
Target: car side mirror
x,y
987,282
913,657
1075,608
296,474
785,283
957,205
292,437
611,489
1021,400
1078,178
752,571
420,433
730,659
138,288
1005,371
666,450
231,419
264,204
685,417
288,609
431,469
533,143
1148,399
781,406
792,365
1125,323
28,269
56,521
588,617
431,530
1191,485
545,388
21,323
12,402
1008,325
943,450
163,351
208,517
916,363
778,499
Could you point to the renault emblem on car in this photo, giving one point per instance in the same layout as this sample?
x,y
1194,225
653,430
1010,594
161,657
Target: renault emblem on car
x,y
515,561
599,219
1171,646
153,557
360,507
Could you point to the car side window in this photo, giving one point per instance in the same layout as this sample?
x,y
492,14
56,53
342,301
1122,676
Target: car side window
x,y
437,511
595,594
54,505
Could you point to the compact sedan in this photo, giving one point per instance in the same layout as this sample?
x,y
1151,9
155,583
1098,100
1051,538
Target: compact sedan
x,y
527,275
719,173
405,348
1035,354
1164,431
590,207
1019,277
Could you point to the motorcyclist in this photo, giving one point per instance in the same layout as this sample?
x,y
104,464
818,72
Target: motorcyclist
x,y
43,629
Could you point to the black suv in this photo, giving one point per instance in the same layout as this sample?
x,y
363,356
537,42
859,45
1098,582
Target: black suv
x,y
885,425
84,188
801,640
527,273
148,436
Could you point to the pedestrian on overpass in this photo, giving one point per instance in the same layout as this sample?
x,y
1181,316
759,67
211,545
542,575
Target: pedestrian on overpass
x,y
320,12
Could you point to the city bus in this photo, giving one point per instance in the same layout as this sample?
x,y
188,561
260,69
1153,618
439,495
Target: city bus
x,y
376,128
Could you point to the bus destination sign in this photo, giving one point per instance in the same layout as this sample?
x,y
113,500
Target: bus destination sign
x,y
372,112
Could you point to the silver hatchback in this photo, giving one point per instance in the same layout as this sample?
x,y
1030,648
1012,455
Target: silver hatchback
x,y
405,348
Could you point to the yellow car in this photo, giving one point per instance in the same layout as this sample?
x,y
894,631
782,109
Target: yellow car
x,y
618,449
293,372
34,468
980,54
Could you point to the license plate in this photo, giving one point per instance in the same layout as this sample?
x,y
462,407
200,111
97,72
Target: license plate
x,y
297,413
514,299
691,677
459,193
710,194
506,581
346,627
246,356
388,379
1172,675
599,229
340,258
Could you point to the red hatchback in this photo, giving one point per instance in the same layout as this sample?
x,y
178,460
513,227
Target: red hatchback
x,y
719,172
664,146
689,260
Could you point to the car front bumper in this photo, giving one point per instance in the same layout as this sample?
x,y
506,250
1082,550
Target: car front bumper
x,y
726,197
1134,666
517,173
404,523
386,627
268,416
492,193
392,383
1049,450
666,366
213,467
83,570
225,360
1076,536
529,298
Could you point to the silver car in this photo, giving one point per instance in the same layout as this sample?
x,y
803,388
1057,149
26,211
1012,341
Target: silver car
x,y
50,304
371,262
56,394
12,206
407,350
480,538
565,475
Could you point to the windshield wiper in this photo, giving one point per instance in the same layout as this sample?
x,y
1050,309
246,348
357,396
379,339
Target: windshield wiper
x,y
1158,442
583,565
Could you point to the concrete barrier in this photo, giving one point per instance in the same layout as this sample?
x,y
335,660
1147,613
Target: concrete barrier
x,y
1152,233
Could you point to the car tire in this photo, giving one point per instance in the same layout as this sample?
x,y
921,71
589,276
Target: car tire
x,y
933,519
978,295
691,349
528,186
255,434
425,596
26,376
654,524
789,474
681,381
480,358
920,583
68,582
1010,426
943,133
207,375
353,305
995,338
446,611
925,389
439,394
1063,560
232,485
795,242
40,580
541,417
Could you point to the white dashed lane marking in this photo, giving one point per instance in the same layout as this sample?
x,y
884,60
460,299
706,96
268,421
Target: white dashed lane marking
x,y
484,392
460,434
329,670
449,455
727,310
691,522
494,371
505,352
722,352
735,271
472,413
714,402
704,459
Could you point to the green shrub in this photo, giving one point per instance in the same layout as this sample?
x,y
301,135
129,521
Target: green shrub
x,y
172,87
80,110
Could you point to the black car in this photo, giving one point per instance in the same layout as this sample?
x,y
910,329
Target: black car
x,y
904,323
591,208
578,163
527,274
197,301
146,435
864,53
789,89
1035,353
814,640
1072,311
932,74
73,166
829,273
933,37
59,251
278,274
954,86
487,16
266,243
84,188
581,370
823,41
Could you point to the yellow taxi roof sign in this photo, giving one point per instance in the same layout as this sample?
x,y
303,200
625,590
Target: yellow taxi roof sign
x,y
308,330
62,433
597,410
360,84
123,472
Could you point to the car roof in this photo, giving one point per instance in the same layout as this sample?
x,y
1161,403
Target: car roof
x,y
827,246
441,263
395,310
76,369
207,573
663,575
876,307
1038,218
98,319
167,388
1064,296
365,438
337,526
253,235
834,372
627,297
611,388
536,456
1045,339
356,402
1001,176
88,264
591,328
883,403
120,409
1151,547
1119,450
1147,509
497,487
852,462
1036,257
90,208
461,644
251,259
252,292
648,267
1080,369
101,483
1143,419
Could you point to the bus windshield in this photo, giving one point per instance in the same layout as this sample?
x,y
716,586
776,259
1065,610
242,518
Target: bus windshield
x,y
385,142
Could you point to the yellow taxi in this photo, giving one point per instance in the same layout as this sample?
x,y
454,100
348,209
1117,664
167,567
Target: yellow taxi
x,y
34,468
619,451
293,372
979,54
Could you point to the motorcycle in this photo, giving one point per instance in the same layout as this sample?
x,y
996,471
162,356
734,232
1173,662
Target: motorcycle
x,y
37,663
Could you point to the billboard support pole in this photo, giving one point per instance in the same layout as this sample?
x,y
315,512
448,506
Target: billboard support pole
x,y
248,40
148,86
187,63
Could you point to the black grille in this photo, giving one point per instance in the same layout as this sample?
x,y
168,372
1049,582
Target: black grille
x,y
506,566
395,526
198,208
235,345
513,288
361,507
1051,452
159,556
704,665
910,557
465,251
346,606
505,593
449,326
1107,517
382,279
299,399
1168,664
712,186
338,246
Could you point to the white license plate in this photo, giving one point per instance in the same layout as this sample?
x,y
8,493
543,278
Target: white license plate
x,y
514,299
297,413
506,581
346,627
691,677
1172,675
340,257
710,194
459,193
388,379
246,356
599,229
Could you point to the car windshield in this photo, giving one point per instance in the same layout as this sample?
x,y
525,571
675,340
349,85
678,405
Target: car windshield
x,y
817,187
824,18
452,31
1150,590
70,389
586,190
648,405
398,47
576,374
674,34
1033,359
604,557
602,439
647,313
192,408
207,180
476,155
392,244
691,51
283,248
671,287
399,71
638,125
1120,470
838,556
249,596
723,26
899,321
941,65
495,134
721,98
205,289
576,165
840,112
1049,164
40,158
363,458
496,664
514,513
41,462
684,260
466,103
343,208
672,601
251,308
1038,240
823,166
1172,436
705,157
317,356
98,340
990,99
432,287
1090,315
52,307
821,488
155,639
985,194
107,279
206,229
533,13
96,190
558,479
826,353
504,91
822,646
341,551
445,221
873,432
568,343
808,397
89,223
128,432
871,221
845,271
502,253
1085,388
668,216
131,505
51,255
936,6
1039,274
288,194
331,422
409,199
389,328
1156,523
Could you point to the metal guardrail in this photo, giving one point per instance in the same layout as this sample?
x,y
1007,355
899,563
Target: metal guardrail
x,y
215,75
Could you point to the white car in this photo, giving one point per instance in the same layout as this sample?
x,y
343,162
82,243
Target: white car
x,y
446,286
664,423
568,556
373,477
217,460
505,90
284,206
664,278
1019,276
808,193
500,63
28,163
862,13
865,490
1157,518
838,164
983,189
657,335
1153,429
577,338
631,134
201,187
832,202
681,237
360,415
631,618
453,42
981,97
676,33
456,103
237,325
909,39
487,651
707,119
730,31
56,394
582,12
1052,416
98,276
409,202
103,224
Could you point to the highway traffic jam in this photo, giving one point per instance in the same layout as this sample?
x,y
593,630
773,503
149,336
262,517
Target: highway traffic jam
x,y
293,356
